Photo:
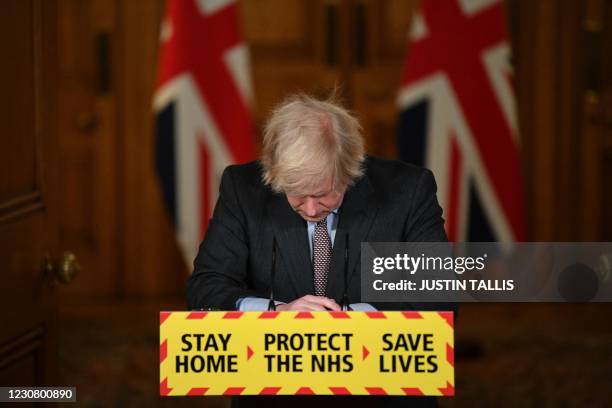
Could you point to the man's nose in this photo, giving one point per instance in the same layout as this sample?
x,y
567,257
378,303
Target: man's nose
x,y
310,207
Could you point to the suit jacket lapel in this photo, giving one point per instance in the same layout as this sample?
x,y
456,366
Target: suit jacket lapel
x,y
293,249
358,211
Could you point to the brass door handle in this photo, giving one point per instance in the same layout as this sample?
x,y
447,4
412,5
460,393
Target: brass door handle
x,y
66,269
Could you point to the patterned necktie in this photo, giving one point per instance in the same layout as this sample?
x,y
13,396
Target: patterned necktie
x,y
321,256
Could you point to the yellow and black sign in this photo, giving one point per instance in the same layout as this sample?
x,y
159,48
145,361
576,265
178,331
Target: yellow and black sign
x,y
300,353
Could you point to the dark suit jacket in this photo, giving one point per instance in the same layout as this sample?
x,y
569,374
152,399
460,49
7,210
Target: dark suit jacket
x,y
392,202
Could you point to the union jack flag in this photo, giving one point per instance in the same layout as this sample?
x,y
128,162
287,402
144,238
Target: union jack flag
x,y
458,118
202,103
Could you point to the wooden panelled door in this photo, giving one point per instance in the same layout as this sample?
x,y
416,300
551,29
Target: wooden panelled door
x,y
313,46
28,182
86,142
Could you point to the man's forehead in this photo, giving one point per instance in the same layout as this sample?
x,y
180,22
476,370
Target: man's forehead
x,y
324,187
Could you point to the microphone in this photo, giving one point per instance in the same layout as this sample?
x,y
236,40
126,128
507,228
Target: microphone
x,y
272,305
344,304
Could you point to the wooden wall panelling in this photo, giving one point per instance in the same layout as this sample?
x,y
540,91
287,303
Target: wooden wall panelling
x,y
287,41
596,39
567,140
391,23
375,81
298,60
88,142
150,260
606,119
19,177
535,31
593,186
28,205
606,234
22,359
561,49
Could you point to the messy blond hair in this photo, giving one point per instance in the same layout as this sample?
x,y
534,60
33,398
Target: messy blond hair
x,y
307,140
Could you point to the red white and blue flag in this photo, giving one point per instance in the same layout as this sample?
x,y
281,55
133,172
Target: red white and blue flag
x,y
202,104
458,117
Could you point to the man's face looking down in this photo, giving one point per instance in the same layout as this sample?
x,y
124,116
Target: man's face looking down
x,y
317,204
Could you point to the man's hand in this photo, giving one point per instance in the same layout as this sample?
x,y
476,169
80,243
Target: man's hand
x,y
310,303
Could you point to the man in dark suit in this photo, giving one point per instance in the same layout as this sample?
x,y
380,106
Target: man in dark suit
x,y
312,190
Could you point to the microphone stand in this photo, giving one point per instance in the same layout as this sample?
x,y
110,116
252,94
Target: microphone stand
x,y
344,304
272,305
